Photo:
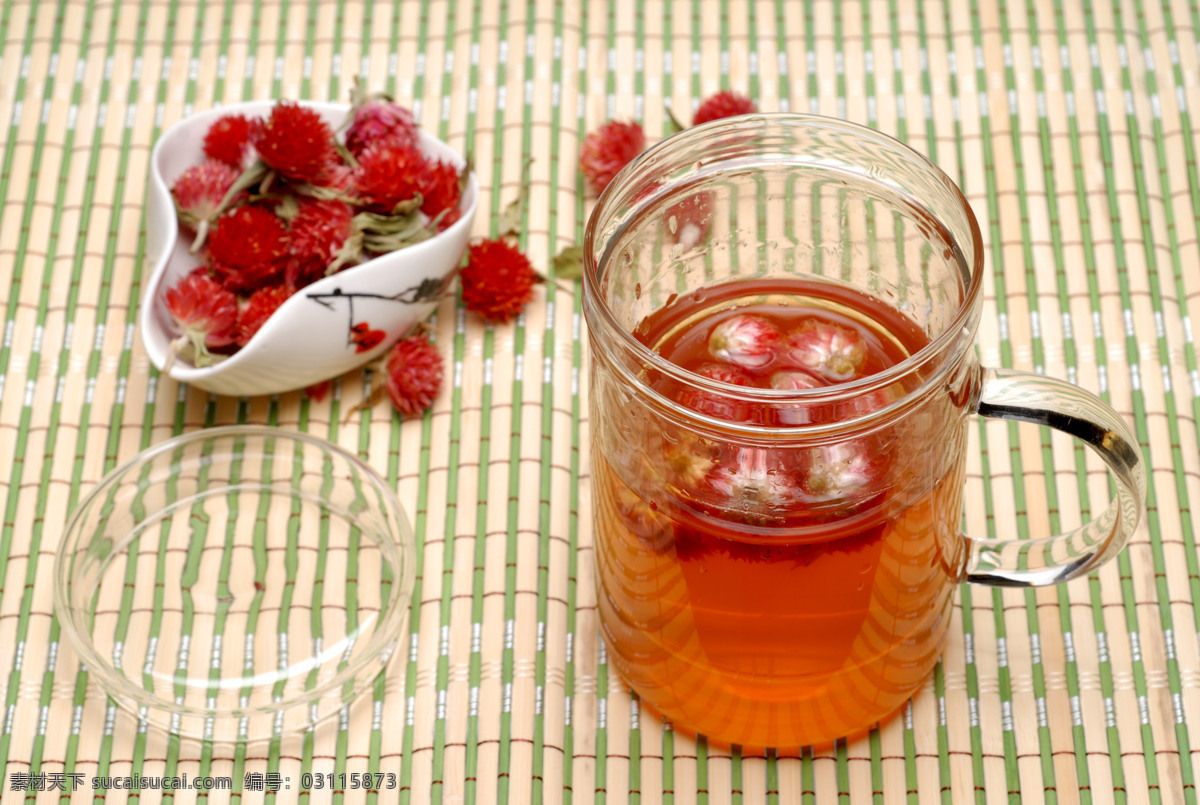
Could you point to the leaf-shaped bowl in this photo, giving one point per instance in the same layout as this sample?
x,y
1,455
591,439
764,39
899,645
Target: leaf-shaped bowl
x,y
321,330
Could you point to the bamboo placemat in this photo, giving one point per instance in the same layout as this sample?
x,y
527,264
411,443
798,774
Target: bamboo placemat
x,y
1069,127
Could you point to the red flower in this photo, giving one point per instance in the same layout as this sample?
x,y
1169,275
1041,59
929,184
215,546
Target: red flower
x,y
297,143
247,248
717,405
414,374
259,307
608,149
205,316
830,350
440,191
723,104
497,281
231,140
199,190
317,391
745,340
378,123
317,234
387,175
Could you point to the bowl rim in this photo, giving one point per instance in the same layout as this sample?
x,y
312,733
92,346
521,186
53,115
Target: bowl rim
x,y
184,372
391,619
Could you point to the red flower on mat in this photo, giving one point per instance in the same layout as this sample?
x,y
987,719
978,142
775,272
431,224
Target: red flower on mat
x,y
297,143
414,374
608,149
497,281
723,104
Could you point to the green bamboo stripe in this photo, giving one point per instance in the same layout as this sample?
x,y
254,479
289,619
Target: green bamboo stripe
x,y
1013,784
475,670
547,427
1193,365
18,461
965,595
1149,744
226,33
252,35
602,685
422,513
1079,735
1049,783
51,664
508,659
667,82
124,365
1106,671
34,363
577,471
1153,514
939,671
842,748
449,529
1173,225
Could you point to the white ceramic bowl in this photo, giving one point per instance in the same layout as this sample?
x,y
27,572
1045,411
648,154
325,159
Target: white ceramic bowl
x,y
309,339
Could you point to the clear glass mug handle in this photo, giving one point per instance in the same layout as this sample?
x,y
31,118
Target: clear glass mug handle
x,y
1068,408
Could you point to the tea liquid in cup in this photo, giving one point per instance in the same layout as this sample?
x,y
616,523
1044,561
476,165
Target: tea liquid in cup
x,y
782,312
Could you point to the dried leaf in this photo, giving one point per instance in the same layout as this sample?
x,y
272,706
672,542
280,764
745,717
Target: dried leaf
x,y
674,121
512,219
288,207
370,401
568,263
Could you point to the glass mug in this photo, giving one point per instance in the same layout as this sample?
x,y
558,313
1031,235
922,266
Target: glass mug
x,y
776,562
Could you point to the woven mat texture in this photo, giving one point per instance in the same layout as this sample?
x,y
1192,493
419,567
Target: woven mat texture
x,y
1068,125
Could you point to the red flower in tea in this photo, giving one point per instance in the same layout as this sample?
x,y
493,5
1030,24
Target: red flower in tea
x,y
744,340
689,458
838,472
832,351
716,405
794,380
754,482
